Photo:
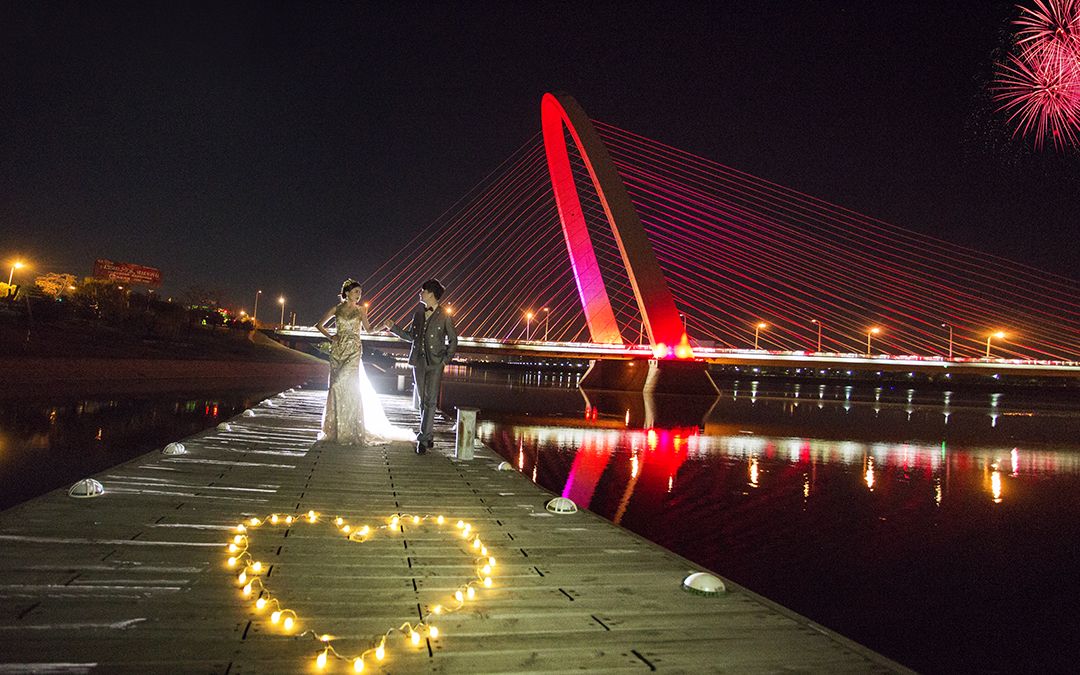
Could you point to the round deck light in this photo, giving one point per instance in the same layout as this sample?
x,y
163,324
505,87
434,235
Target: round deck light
x,y
86,488
561,505
175,449
703,583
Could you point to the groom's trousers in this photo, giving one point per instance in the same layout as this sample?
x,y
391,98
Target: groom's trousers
x,y
427,380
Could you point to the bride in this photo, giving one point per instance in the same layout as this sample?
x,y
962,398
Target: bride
x,y
353,413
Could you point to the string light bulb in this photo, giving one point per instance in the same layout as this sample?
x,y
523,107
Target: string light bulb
x,y
249,576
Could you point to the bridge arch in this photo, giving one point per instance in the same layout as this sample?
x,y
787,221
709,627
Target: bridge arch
x,y
662,322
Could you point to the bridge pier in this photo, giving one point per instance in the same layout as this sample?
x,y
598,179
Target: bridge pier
x,y
649,376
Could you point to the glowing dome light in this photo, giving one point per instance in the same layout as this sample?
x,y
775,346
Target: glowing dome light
x,y
174,449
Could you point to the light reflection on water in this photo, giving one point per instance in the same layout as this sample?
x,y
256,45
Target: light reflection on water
x,y
51,443
939,528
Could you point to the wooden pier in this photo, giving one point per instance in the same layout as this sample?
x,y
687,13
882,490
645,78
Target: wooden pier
x,y
136,580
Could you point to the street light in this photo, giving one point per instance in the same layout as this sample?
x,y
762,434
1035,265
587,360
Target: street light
x,y
282,301
818,334
11,274
997,335
547,317
945,325
528,323
255,314
868,334
757,328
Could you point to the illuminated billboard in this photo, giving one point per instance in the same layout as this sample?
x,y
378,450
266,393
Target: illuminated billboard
x,y
126,273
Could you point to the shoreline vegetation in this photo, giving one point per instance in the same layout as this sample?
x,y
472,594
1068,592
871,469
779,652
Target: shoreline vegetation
x,y
37,359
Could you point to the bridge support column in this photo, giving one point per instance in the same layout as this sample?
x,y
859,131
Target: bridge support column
x,y
650,375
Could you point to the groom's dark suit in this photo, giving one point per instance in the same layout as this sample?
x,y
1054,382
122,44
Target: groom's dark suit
x,y
434,342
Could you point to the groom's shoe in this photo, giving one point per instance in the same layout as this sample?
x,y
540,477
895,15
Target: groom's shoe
x,y
421,448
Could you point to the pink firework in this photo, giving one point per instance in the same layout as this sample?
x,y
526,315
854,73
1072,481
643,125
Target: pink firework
x,y
1041,86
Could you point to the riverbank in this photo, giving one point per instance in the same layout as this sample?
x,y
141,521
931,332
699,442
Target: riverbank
x,y
92,361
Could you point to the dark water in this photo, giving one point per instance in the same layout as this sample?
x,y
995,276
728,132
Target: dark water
x,y
941,529
49,443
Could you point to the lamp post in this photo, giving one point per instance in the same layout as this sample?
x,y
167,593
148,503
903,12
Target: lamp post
x,y
255,314
757,329
281,300
11,274
945,325
547,317
528,324
997,335
818,335
868,334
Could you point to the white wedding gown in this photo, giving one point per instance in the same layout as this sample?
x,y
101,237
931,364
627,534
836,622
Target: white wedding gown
x,y
354,413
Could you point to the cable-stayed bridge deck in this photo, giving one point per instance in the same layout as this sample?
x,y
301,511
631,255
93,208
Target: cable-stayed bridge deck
x,y
744,357
136,580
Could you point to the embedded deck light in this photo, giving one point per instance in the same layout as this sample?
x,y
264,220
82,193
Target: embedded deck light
x,y
249,413
224,426
86,488
561,505
175,449
703,583
505,466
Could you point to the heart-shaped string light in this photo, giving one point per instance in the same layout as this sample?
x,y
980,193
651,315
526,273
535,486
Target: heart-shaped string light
x,y
250,577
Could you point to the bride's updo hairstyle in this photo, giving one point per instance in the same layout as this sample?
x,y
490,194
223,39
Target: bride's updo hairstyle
x,y
348,286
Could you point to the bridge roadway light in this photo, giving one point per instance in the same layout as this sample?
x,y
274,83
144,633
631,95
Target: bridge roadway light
x,y
528,323
255,314
945,325
997,335
818,335
757,328
17,265
547,317
868,334
281,301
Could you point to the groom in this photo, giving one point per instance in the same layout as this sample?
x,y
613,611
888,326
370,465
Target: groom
x,y
434,341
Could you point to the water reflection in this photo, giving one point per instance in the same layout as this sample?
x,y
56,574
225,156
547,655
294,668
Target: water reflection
x,y
928,525
51,443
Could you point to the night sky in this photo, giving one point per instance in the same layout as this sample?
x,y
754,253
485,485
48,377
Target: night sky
x,y
286,146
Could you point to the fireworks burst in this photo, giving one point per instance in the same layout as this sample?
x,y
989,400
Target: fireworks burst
x,y
1041,86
